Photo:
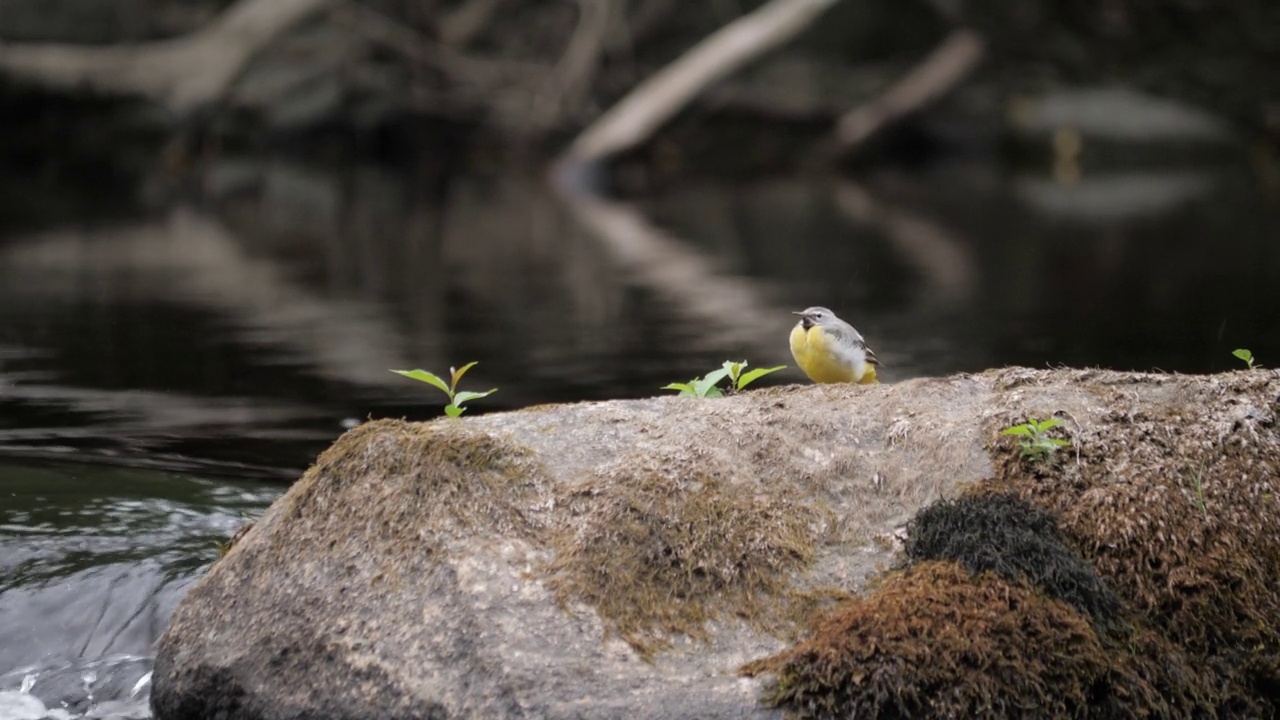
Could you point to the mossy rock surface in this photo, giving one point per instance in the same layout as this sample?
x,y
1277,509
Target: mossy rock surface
x,y
1002,534
626,558
1135,573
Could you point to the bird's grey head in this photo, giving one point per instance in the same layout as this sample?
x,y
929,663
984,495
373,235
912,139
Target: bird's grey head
x,y
815,315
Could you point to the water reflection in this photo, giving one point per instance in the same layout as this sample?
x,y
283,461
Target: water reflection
x,y
242,332
238,334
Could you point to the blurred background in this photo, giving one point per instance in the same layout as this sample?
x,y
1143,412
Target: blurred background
x,y
221,223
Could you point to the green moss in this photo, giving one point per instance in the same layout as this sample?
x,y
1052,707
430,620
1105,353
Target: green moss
x,y
431,478
226,547
656,556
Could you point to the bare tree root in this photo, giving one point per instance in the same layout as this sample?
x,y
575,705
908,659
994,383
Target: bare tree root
x,y
181,74
522,96
572,78
940,72
460,26
478,76
656,100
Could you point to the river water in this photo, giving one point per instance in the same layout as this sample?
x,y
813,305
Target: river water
x,y
165,370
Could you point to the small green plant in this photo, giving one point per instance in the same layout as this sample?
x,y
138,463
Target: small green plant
x,y
1035,444
1195,479
1247,356
245,527
738,380
699,387
456,397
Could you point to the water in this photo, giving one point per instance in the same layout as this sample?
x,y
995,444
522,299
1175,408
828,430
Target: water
x,y
163,369
92,561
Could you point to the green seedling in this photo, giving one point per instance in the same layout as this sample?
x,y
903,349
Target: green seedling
x,y
707,386
1247,356
740,380
1195,478
225,547
1034,443
456,397
700,387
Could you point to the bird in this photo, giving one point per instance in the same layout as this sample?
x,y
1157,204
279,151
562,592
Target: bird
x,y
829,350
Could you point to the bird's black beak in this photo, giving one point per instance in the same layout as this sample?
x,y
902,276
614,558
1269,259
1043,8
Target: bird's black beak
x,y
805,320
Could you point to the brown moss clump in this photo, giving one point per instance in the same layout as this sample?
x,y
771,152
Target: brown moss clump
x,y
1148,676
1179,508
427,478
935,641
1001,533
657,556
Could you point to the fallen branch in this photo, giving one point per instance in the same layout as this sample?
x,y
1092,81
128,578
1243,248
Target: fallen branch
x,y
940,72
637,115
182,74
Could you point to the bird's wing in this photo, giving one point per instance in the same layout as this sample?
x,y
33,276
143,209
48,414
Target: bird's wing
x,y
851,338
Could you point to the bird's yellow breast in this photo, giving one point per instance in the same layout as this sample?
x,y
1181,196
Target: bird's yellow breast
x,y
823,362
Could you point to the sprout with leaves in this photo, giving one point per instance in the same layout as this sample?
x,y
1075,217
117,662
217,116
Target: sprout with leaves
x,y
456,397
1247,356
1035,444
738,380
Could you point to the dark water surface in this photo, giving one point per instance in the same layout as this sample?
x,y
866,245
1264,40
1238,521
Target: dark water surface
x,y
190,357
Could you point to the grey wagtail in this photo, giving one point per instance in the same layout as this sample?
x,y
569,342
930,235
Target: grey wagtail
x,y
829,350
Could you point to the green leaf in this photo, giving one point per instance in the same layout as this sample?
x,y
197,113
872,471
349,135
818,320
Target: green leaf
x,y
1049,424
426,377
1243,353
684,388
457,374
1057,442
706,387
756,374
1017,430
715,376
466,395
734,368
453,410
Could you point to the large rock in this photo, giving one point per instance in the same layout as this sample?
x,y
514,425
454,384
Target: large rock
x,y
601,560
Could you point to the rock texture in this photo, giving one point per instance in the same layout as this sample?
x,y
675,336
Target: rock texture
x,y
600,560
